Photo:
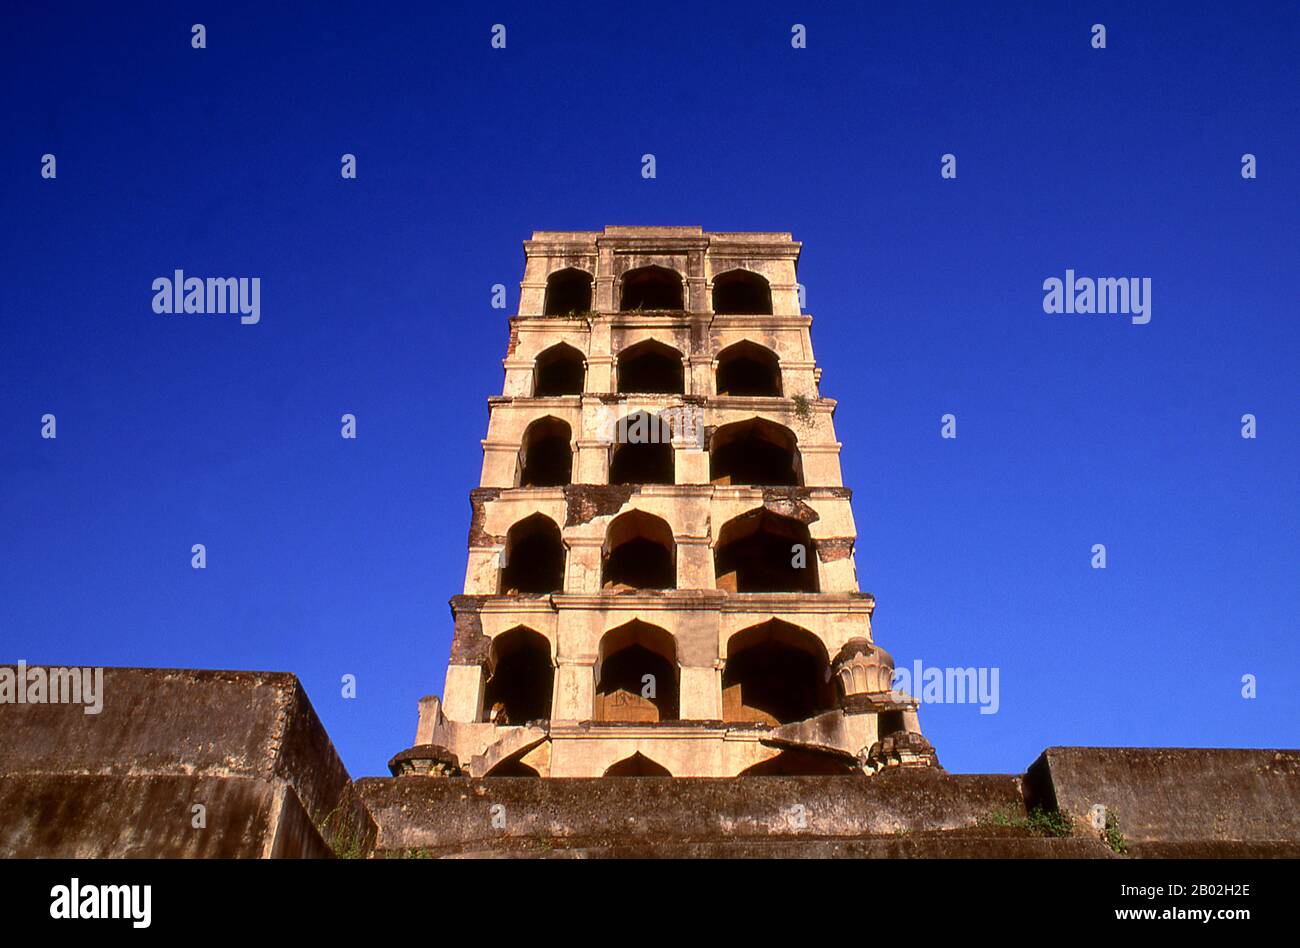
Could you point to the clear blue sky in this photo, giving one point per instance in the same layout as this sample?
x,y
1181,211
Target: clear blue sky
x,y
328,557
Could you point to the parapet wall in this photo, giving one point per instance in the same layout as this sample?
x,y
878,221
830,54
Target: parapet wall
x,y
1177,800
441,815
248,747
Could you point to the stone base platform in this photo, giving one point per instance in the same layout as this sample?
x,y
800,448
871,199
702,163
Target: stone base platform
x,y
249,749
917,812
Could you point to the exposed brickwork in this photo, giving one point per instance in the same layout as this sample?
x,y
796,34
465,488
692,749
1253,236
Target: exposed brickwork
x,y
469,646
831,549
586,502
478,499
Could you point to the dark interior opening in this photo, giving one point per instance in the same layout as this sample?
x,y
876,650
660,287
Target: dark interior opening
x,y
534,555
794,762
756,553
560,370
748,369
522,678
568,292
775,674
627,655
639,553
547,457
640,564
651,288
890,722
651,368
754,452
642,464
513,767
637,766
741,292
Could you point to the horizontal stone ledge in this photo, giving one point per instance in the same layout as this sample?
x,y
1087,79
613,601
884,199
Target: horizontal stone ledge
x,y
448,813
754,492
707,600
1174,794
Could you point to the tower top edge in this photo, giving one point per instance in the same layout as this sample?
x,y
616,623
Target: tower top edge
x,y
658,231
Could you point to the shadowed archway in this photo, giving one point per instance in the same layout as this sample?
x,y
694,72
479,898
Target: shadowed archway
x,y
748,369
776,673
521,678
764,552
651,288
559,370
637,675
568,292
742,292
651,368
545,457
642,451
638,765
794,762
534,557
639,553
755,452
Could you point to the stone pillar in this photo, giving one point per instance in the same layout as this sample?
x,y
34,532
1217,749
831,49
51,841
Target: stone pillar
x,y
837,575
464,691
575,690
592,463
584,565
500,464
701,692
483,571
821,465
604,288
697,295
694,563
701,374
430,708
600,358
690,464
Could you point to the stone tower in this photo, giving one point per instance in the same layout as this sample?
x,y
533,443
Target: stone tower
x,y
661,576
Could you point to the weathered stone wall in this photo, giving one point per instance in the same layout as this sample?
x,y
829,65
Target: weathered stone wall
x,y
1174,796
448,816
249,747
246,745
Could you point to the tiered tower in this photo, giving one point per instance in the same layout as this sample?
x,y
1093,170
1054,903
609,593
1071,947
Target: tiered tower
x,y
661,576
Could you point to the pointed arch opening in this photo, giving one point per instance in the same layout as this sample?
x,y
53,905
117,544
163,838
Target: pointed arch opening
x,y
534,557
742,292
651,288
755,452
642,451
638,765
748,369
639,553
568,292
559,370
651,368
521,678
546,456
776,673
795,762
764,552
512,766
637,676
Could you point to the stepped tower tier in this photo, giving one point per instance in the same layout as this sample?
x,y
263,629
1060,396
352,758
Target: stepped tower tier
x,y
660,576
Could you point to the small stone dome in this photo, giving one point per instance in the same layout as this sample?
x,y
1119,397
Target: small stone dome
x,y
863,668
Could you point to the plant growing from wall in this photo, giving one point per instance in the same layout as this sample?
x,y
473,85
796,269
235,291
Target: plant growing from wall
x,y
802,409
1038,821
339,829
1112,834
